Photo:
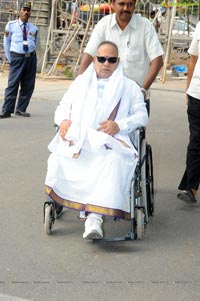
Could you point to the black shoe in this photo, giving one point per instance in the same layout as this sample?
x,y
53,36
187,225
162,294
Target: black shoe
x,y
23,114
187,196
5,114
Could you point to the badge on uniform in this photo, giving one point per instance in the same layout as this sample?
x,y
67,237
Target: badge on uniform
x,y
32,34
6,33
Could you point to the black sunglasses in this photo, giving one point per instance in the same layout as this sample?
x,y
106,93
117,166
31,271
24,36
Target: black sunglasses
x,y
111,60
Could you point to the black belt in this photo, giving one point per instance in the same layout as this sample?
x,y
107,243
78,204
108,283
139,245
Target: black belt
x,y
28,54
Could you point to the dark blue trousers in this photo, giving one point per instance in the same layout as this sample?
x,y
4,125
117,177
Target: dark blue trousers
x,y
191,177
147,101
22,73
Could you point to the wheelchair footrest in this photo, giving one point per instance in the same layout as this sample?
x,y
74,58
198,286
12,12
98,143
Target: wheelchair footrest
x,y
129,236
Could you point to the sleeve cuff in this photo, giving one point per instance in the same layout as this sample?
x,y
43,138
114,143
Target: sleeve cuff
x,y
123,126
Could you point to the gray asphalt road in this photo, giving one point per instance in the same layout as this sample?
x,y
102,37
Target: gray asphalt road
x,y
165,265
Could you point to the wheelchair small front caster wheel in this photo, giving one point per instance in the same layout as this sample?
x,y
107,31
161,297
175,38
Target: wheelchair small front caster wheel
x,y
48,218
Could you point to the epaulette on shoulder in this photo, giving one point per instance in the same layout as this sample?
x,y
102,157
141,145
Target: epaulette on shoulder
x,y
34,26
12,22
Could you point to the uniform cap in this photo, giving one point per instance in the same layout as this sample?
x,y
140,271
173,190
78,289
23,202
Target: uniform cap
x,y
26,4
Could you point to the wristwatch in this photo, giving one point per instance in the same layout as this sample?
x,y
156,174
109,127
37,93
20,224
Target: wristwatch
x,y
144,91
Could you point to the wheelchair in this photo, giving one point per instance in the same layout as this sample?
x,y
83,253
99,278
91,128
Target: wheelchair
x,y
141,194
142,186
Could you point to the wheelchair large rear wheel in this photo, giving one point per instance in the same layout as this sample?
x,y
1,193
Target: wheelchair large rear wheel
x,y
149,180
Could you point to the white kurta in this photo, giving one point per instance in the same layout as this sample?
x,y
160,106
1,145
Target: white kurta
x,y
99,179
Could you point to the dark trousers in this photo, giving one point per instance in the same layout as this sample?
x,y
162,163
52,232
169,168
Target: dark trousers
x,y
191,177
22,73
147,101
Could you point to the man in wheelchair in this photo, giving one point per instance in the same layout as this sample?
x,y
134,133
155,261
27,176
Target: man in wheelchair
x,y
92,160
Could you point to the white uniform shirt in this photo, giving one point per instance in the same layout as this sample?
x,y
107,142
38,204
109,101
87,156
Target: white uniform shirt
x,y
194,88
138,44
13,37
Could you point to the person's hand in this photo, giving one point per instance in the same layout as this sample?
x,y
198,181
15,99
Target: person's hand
x,y
109,127
64,126
187,99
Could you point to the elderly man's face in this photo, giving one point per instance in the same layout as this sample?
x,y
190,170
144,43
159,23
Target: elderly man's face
x,y
124,9
106,61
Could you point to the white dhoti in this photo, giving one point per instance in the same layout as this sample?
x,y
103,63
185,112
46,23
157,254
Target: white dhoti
x,y
97,181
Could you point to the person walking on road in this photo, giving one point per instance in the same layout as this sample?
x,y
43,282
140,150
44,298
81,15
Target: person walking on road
x,y
191,177
20,40
140,51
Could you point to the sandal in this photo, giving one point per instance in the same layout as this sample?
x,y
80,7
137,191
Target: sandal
x,y
187,196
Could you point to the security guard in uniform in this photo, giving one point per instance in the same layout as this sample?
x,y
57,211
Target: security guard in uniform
x,y
20,40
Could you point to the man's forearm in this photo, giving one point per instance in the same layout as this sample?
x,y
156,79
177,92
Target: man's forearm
x,y
191,65
155,67
86,61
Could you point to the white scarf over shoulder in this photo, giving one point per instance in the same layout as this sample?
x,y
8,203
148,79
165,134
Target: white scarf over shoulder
x,y
79,105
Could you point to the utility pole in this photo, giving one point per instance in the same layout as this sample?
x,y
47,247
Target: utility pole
x,y
168,48
199,9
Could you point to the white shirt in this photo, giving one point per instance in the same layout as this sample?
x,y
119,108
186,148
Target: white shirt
x,y
194,88
138,44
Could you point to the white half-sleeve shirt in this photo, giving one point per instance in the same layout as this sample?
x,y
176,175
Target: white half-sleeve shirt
x,y
194,87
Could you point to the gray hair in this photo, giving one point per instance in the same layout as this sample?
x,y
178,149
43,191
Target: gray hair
x,y
109,43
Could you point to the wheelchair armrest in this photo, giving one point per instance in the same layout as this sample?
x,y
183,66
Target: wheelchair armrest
x,y
137,135
56,127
